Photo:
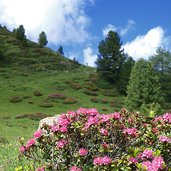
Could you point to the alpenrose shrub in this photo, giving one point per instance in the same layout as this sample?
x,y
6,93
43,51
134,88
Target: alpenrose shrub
x,y
85,140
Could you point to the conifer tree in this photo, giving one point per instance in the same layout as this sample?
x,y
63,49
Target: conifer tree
x,y
42,39
144,87
110,58
60,50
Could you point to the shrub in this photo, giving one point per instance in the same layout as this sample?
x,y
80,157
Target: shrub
x,y
86,140
16,99
89,92
104,109
104,100
57,96
91,86
75,86
69,100
46,104
37,93
111,93
35,116
96,100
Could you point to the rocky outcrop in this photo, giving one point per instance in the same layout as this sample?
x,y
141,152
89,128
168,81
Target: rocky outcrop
x,y
49,121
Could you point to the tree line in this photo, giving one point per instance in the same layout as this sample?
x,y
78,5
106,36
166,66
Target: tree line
x,y
146,84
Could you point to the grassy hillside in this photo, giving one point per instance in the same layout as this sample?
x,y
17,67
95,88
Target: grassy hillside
x,y
38,82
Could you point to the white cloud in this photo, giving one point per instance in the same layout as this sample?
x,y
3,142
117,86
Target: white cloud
x,y
89,57
129,26
64,21
108,28
121,30
144,46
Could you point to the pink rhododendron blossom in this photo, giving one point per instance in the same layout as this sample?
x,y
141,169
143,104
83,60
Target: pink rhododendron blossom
x,y
41,168
116,115
74,168
22,149
167,117
83,152
133,160
61,143
38,134
158,161
31,142
105,145
130,131
102,161
104,131
63,129
104,118
147,153
55,128
164,139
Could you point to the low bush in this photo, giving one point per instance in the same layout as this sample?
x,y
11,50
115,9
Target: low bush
x,y
56,96
85,140
37,93
111,93
75,86
104,100
89,92
69,100
46,104
35,116
95,100
16,99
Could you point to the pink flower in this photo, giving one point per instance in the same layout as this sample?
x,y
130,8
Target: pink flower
x,y
55,128
61,143
74,168
31,142
104,131
98,161
105,145
147,153
41,168
63,129
22,149
164,139
116,115
106,160
102,161
133,160
38,134
83,152
167,117
158,162
130,131
104,118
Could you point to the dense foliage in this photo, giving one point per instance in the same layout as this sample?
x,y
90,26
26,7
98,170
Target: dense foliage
x,y
42,39
20,34
86,140
110,58
143,88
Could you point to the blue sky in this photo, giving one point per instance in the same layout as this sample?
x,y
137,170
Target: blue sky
x,y
79,25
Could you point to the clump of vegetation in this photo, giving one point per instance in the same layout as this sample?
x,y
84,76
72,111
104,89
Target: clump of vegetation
x,y
46,103
75,86
35,116
70,100
95,100
56,96
16,99
104,100
111,93
37,93
89,92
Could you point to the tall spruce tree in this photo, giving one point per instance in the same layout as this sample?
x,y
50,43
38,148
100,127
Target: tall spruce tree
x,y
162,65
110,58
42,39
144,87
60,50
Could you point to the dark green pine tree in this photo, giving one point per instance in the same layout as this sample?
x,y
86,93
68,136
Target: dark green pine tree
x,y
42,39
144,87
60,50
110,58
20,33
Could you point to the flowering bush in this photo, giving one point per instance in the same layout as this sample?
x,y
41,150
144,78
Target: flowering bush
x,y
85,140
